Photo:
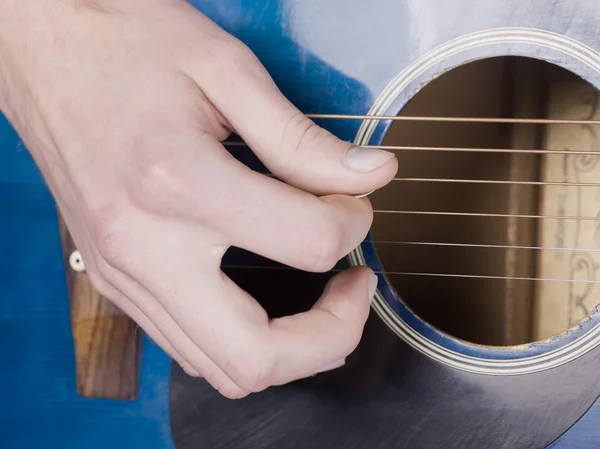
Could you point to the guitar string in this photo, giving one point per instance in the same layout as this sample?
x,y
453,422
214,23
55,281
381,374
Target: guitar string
x,y
408,118
488,181
488,215
454,150
467,181
500,182
407,273
482,245
485,215
481,214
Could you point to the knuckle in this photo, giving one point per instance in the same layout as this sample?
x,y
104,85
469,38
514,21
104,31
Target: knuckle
x,y
298,140
230,57
324,248
354,338
351,335
189,369
154,183
231,391
236,50
302,134
251,372
299,134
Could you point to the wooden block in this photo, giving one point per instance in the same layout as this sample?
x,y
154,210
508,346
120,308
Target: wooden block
x,y
107,342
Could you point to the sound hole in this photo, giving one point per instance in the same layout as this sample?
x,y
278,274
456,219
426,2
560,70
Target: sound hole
x,y
518,276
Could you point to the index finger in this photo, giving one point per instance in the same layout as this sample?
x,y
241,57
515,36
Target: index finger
x,y
264,215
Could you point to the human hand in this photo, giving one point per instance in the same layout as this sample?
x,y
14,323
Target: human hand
x,y
123,106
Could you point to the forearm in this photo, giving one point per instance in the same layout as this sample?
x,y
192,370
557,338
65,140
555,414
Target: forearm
x,y
34,36
18,20
8,14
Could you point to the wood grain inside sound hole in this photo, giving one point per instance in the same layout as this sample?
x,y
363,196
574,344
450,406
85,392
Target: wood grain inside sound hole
x,y
107,342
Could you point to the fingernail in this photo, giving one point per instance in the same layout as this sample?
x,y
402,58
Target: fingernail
x,y
366,159
333,366
373,281
364,195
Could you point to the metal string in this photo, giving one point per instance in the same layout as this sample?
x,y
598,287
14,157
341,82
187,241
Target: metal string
x,y
405,273
489,215
488,181
452,245
530,121
476,214
408,118
481,245
494,181
455,150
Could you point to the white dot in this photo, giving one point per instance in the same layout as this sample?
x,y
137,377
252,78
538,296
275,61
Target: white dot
x,y
76,262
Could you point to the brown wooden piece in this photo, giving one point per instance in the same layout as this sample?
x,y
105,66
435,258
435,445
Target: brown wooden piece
x,y
107,342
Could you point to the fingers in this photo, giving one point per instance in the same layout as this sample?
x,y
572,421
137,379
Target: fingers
x,y
148,326
227,325
289,144
291,227
299,346
257,354
252,211
193,361
322,338
148,313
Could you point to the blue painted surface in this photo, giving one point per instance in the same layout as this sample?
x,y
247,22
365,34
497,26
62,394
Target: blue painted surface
x,y
37,368
326,57
585,434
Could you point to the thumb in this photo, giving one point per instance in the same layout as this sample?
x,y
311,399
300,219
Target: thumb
x,y
290,145
321,339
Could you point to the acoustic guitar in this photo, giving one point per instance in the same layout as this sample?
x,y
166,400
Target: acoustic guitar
x,y
484,332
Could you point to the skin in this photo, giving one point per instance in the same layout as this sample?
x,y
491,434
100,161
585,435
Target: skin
x,y
123,105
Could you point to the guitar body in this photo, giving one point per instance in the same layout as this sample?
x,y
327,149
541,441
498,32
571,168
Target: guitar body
x,y
407,385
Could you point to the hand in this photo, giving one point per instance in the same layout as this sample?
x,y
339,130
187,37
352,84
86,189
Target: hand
x,y
123,106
